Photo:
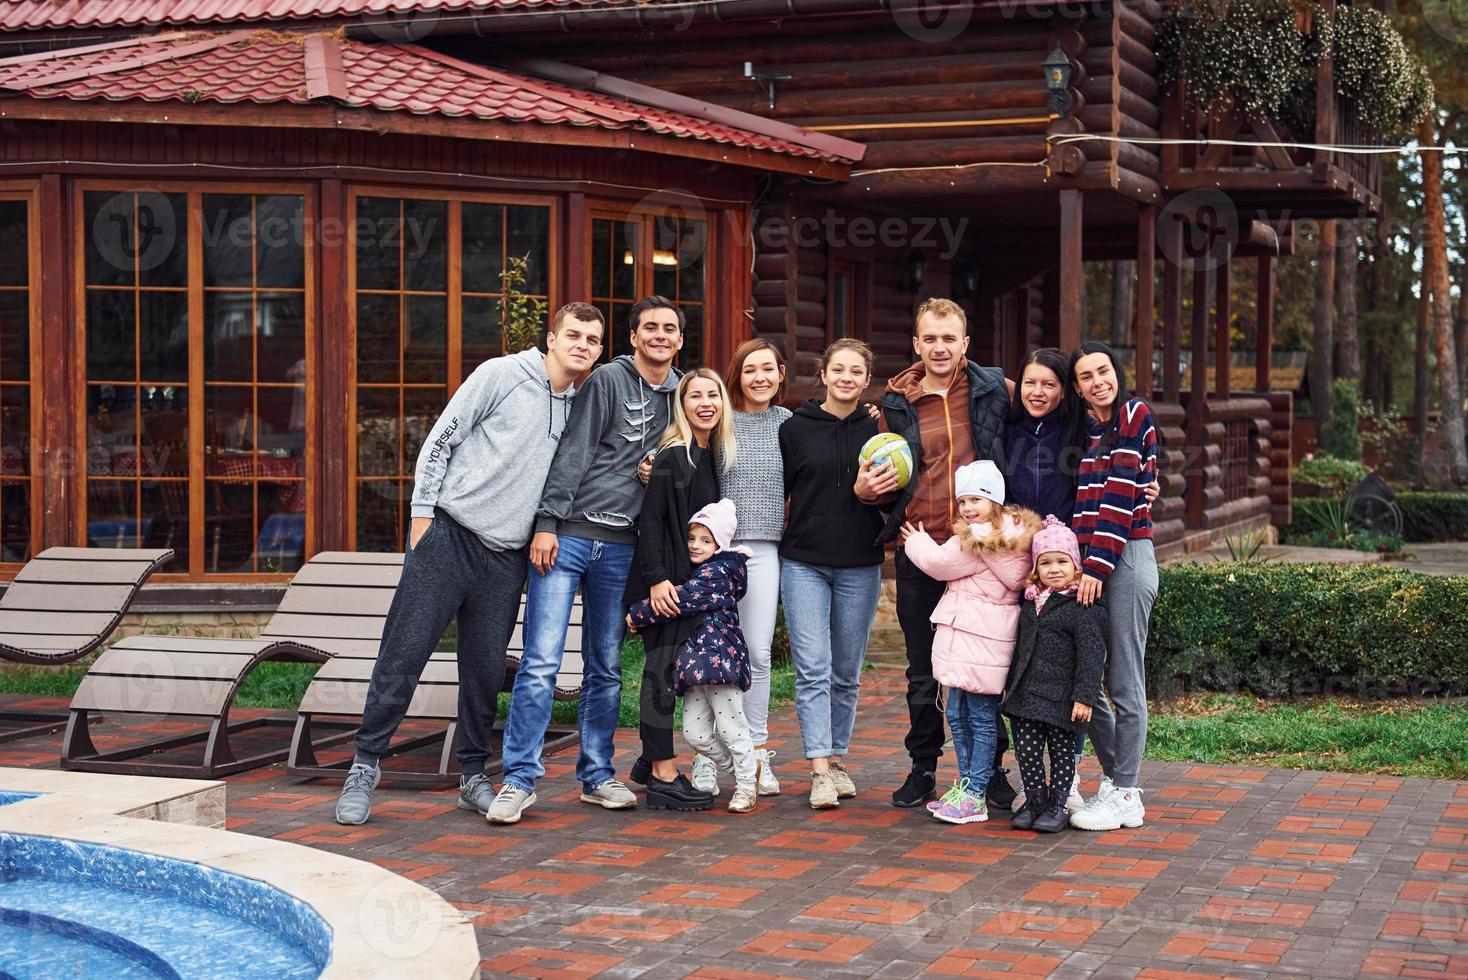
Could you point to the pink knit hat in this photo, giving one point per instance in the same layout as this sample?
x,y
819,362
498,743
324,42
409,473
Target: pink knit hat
x,y
719,518
1055,536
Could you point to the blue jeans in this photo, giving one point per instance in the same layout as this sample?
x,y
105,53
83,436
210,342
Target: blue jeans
x,y
974,721
828,614
600,570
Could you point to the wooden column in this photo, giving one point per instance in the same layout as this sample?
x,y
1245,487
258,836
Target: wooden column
x,y
1198,396
333,372
1172,313
1146,273
1223,315
1264,314
1198,376
575,283
736,325
1071,272
59,481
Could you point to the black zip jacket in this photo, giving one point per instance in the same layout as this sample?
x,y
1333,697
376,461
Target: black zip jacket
x,y
828,525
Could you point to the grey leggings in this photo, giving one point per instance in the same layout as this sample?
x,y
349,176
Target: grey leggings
x,y
1119,722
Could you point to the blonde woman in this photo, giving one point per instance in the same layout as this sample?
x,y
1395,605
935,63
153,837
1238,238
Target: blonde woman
x,y
684,479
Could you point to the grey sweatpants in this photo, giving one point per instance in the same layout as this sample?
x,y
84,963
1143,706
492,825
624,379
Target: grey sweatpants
x,y
448,573
1119,720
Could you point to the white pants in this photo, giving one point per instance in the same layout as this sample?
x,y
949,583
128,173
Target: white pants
x,y
757,621
714,725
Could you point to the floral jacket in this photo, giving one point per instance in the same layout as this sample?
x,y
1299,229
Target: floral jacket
x,y
715,654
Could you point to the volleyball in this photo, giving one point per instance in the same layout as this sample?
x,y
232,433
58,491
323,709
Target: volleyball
x,y
889,447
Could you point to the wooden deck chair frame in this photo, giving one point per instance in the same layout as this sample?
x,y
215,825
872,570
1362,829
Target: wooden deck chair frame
x,y
199,677
62,605
339,691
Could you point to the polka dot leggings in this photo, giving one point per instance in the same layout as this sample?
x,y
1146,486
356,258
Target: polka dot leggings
x,y
714,725
1031,739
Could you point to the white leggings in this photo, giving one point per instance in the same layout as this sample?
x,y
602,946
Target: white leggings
x,y
757,621
714,725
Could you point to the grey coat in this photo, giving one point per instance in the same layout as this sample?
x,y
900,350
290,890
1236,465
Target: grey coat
x,y
1058,659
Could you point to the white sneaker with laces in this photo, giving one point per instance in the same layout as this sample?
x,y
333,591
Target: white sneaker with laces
x,y
768,784
509,804
1105,790
705,775
1122,807
1075,800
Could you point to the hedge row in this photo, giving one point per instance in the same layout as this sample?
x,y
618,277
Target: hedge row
x,y
1274,630
1426,516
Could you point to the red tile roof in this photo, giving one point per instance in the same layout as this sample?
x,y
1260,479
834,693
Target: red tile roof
x,y
267,67
37,15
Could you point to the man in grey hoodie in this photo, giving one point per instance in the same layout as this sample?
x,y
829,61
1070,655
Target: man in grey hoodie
x,y
473,510
585,537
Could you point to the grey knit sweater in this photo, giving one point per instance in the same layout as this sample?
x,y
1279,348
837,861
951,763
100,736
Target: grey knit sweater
x,y
756,483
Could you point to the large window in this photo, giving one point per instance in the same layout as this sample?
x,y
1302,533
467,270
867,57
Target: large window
x,y
428,290
634,256
196,325
17,304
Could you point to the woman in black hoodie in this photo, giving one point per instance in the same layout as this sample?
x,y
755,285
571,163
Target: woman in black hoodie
x,y
831,571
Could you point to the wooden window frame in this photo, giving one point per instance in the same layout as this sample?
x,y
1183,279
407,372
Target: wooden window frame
x,y
610,211
195,192
454,293
858,265
30,192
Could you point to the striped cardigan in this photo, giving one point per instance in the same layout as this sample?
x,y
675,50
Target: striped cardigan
x,y
1111,503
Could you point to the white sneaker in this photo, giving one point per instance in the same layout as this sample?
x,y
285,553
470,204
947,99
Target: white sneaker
x,y
1105,790
1118,808
768,784
742,801
1075,800
705,775
509,804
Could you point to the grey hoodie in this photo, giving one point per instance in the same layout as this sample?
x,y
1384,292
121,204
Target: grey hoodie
x,y
486,457
593,490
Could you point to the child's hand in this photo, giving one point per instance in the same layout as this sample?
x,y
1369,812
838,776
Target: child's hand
x,y
1080,712
908,530
631,626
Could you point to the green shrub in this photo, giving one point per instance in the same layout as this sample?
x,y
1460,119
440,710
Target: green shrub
x,y
1331,473
1428,516
1338,435
1274,629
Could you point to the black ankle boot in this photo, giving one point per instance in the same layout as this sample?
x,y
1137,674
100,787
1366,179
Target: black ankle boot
x,y
1054,818
641,770
1000,794
1024,818
676,794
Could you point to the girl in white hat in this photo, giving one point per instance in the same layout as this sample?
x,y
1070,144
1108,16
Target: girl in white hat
x,y
985,564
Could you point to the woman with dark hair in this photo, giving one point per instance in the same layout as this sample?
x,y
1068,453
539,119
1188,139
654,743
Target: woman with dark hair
x,y
1113,522
1044,436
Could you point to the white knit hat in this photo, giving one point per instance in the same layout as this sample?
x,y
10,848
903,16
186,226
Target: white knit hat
x,y
979,479
719,518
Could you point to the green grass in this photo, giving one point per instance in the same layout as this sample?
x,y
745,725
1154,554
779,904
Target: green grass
x,y
1402,738
279,686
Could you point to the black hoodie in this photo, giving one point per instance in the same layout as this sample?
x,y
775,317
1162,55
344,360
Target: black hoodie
x,y
828,525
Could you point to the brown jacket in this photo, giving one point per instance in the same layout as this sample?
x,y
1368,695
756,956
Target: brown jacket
x,y
947,441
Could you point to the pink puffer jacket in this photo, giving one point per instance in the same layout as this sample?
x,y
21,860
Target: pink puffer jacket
x,y
977,619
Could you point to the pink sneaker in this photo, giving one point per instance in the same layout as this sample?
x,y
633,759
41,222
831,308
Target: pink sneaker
x,y
959,787
968,808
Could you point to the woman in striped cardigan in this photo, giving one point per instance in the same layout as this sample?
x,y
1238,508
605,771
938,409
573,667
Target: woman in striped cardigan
x,y
1113,522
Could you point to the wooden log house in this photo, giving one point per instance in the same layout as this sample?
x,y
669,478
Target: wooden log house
x,y
247,250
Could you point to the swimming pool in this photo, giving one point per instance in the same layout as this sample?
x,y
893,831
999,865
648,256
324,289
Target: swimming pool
x,y
10,796
69,908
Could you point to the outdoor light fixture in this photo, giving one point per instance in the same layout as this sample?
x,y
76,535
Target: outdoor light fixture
x,y
916,268
1057,81
966,282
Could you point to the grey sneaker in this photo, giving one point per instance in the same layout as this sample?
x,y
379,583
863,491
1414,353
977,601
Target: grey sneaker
x,y
611,795
355,804
509,804
476,793
705,775
845,788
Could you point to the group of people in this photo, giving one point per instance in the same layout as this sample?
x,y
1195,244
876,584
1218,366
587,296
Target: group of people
x,y
689,507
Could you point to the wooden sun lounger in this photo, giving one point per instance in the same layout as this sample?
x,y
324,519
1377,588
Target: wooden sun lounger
x,y
339,691
336,605
63,605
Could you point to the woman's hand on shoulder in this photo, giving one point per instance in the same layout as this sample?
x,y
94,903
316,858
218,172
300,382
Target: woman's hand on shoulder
x,y
1089,591
664,599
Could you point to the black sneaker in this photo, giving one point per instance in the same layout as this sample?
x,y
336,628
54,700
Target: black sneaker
x,y
676,794
1000,794
920,786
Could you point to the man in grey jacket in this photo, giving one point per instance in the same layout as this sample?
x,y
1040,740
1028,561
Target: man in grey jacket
x,y
585,537
473,508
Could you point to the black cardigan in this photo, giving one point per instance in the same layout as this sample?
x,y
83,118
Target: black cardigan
x,y
1058,659
676,491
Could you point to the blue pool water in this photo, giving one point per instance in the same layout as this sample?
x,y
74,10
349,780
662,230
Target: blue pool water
x,y
73,909
12,796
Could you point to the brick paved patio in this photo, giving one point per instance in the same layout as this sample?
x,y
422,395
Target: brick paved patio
x,y
1239,872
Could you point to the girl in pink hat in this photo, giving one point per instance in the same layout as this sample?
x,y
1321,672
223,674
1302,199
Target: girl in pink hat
x,y
1054,678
